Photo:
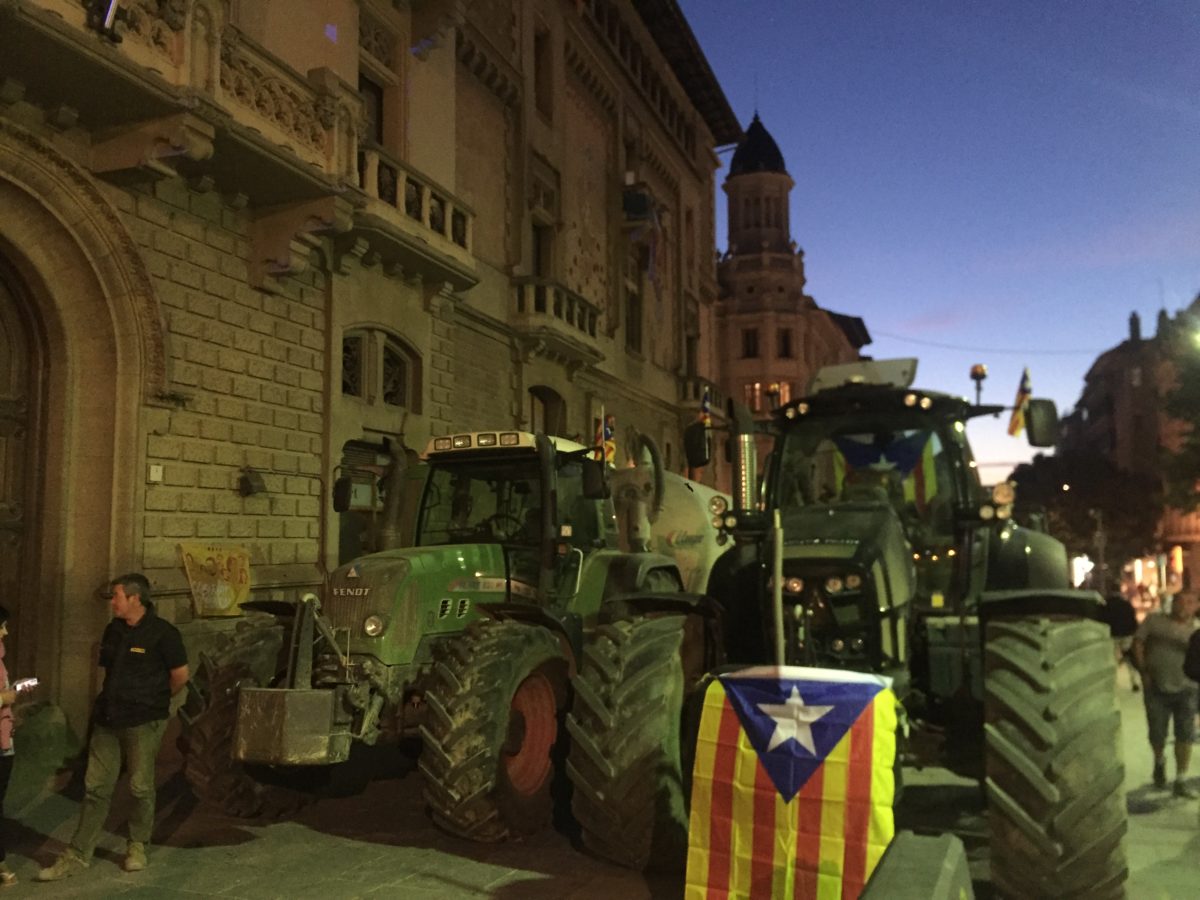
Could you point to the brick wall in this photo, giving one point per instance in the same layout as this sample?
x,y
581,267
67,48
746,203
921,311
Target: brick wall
x,y
248,369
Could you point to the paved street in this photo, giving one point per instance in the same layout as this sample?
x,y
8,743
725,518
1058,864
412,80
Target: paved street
x,y
381,845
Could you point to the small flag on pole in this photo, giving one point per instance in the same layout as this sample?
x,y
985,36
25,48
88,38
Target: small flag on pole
x,y
1016,422
598,436
706,407
610,439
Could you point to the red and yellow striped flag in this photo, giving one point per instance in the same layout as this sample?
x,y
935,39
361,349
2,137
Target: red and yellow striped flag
x,y
793,785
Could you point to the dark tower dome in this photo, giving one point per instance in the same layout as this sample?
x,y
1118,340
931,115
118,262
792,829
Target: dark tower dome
x,y
757,152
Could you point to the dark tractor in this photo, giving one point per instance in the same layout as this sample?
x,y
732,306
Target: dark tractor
x,y
871,544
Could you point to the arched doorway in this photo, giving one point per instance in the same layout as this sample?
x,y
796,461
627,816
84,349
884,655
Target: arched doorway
x,y
85,350
21,380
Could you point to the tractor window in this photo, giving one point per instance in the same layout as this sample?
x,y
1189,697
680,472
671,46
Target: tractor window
x,y
907,468
481,502
585,517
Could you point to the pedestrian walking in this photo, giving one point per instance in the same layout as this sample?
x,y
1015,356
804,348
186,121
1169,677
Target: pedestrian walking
x,y
8,697
144,665
1159,648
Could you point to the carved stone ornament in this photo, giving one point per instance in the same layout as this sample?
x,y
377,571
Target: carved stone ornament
x,y
249,81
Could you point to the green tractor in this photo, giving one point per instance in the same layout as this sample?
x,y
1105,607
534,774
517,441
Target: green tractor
x,y
505,550
871,544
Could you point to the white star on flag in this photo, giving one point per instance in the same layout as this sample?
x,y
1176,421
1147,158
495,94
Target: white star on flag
x,y
793,721
883,464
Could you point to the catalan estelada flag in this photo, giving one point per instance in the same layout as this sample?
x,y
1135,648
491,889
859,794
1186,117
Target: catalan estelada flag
x,y
605,440
920,485
793,785
1016,422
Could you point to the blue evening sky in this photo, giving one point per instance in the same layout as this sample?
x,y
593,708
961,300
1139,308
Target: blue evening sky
x,y
1000,182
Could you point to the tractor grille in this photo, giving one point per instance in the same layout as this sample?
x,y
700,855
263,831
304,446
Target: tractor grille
x,y
360,589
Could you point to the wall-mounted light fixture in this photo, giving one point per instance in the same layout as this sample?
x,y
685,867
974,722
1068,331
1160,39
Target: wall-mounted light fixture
x,y
250,482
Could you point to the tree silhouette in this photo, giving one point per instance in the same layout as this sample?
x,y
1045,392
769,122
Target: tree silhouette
x,y
1125,505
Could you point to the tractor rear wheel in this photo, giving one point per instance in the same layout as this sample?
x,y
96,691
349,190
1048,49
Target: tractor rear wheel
x,y
249,657
1056,808
624,761
494,703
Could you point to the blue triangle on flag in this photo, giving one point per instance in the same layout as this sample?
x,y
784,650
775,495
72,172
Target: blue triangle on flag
x,y
793,724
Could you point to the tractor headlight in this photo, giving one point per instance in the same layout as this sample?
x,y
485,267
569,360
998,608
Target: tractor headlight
x,y
794,585
853,582
834,584
730,522
717,506
987,512
1003,494
373,626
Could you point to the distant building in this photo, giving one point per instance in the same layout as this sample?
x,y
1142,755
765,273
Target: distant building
x,y
1120,415
773,336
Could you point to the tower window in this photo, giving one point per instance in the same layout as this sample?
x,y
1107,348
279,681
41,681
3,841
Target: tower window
x,y
753,394
749,343
783,348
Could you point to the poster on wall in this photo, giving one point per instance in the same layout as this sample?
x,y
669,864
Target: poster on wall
x,y
219,575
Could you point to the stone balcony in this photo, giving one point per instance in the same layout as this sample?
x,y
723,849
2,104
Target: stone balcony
x,y
173,89
258,127
412,223
553,321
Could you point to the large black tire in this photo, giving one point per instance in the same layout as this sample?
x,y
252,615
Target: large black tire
x,y
494,701
624,761
1056,808
251,656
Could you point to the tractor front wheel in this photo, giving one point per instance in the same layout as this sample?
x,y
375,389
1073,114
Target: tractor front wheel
x,y
494,702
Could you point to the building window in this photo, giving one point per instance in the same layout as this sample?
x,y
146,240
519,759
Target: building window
x,y
372,95
543,251
543,74
782,392
633,321
753,395
352,365
396,375
749,343
783,343
377,366
547,410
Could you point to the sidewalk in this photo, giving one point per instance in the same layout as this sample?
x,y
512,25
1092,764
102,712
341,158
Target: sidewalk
x,y
1163,844
377,844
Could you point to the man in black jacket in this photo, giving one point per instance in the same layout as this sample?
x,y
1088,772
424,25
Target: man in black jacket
x,y
144,666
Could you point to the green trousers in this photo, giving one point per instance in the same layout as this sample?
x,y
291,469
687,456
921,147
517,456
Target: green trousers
x,y
138,746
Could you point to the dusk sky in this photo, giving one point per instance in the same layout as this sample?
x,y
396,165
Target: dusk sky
x,y
999,182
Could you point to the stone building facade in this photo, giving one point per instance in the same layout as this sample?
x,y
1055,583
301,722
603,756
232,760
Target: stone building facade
x,y
245,247
775,336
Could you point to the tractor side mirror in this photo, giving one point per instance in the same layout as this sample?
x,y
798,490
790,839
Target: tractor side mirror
x,y
1041,422
595,480
342,489
697,448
